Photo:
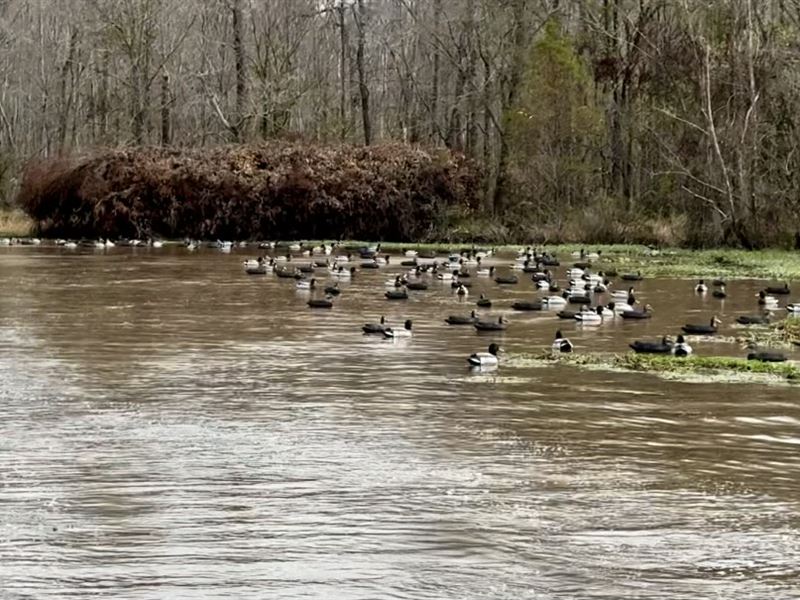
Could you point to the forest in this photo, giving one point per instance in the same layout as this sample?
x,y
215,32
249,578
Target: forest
x,y
669,122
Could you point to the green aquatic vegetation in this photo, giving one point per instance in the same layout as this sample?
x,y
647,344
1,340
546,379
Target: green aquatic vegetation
x,y
711,368
784,334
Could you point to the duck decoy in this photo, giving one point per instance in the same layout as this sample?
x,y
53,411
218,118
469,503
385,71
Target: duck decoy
x,y
499,325
701,287
405,332
753,320
681,348
645,313
718,282
709,329
306,269
370,265
566,314
553,301
778,290
418,286
579,299
303,284
770,302
484,302
632,276
461,319
793,308
561,344
663,346
401,294
720,293
462,291
767,356
320,303
485,359
333,290
375,328
590,316
506,279
522,305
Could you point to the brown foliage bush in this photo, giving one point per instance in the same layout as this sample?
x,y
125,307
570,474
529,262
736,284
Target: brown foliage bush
x,y
275,190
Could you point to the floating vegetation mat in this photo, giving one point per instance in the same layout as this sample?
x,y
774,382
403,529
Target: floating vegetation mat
x,y
694,369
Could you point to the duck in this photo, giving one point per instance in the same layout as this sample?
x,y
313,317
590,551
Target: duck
x,y
333,290
767,356
590,316
326,302
720,292
484,302
462,291
419,286
500,325
622,295
506,280
632,276
410,253
393,333
485,359
343,273
523,305
709,329
397,282
401,294
780,290
770,302
701,287
663,346
793,308
484,272
753,319
375,328
553,301
681,348
628,305
461,319
561,344
645,313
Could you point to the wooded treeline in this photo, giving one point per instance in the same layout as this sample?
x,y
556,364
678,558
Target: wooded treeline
x,y
669,121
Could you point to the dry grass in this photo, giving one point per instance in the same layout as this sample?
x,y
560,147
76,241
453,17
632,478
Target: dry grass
x,y
15,223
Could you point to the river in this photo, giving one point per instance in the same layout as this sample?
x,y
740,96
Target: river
x,y
172,428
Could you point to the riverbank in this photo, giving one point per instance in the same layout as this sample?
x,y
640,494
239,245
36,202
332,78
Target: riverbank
x,y
672,262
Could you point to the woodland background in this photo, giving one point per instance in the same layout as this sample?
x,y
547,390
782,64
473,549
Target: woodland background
x,y
663,121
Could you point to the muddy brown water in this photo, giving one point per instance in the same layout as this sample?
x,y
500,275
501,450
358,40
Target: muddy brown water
x,y
172,428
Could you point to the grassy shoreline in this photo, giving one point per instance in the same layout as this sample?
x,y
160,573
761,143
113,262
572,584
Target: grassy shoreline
x,y
673,262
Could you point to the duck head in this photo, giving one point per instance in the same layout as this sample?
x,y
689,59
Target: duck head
x,y
494,349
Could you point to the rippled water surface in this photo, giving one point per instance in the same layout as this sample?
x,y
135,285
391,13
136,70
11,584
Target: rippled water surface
x,y
172,428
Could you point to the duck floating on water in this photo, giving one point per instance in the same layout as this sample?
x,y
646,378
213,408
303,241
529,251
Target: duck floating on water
x,y
562,344
663,346
681,348
709,329
485,359
375,328
405,332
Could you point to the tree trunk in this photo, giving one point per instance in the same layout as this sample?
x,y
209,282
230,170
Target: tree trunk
x,y
237,123
166,134
363,90
510,99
